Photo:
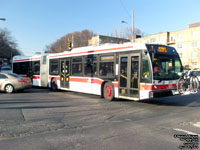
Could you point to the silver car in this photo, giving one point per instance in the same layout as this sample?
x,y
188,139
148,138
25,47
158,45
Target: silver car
x,y
10,82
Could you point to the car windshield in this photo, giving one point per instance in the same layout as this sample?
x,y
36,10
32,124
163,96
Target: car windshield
x,y
166,67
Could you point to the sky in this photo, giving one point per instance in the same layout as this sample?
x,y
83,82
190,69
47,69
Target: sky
x,y
34,24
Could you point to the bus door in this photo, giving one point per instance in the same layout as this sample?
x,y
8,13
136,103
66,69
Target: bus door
x,y
64,73
129,73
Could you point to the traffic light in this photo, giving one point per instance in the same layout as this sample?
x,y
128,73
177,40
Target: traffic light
x,y
69,45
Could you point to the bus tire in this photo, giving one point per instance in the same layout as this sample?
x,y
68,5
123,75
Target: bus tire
x,y
54,86
108,91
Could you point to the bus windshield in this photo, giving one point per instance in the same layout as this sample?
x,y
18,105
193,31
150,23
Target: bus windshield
x,y
166,67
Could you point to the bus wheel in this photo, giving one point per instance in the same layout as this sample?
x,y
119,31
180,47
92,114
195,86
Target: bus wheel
x,y
54,85
108,91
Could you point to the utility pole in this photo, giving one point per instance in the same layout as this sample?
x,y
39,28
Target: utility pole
x,y
133,35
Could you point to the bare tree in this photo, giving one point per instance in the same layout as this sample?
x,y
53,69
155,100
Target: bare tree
x,y
78,39
126,32
8,46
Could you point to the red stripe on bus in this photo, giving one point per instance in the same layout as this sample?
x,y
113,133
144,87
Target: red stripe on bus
x,y
146,87
86,80
93,81
35,58
157,87
22,60
27,59
165,87
97,81
36,77
92,51
78,79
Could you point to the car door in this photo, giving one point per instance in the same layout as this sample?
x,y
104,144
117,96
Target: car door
x,y
3,79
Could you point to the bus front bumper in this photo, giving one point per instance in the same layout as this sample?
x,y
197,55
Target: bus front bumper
x,y
161,93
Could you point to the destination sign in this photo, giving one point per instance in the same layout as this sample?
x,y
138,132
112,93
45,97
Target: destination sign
x,y
162,49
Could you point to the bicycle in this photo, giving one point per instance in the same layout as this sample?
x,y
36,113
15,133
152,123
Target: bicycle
x,y
188,83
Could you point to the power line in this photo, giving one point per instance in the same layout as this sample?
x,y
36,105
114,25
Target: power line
x,y
125,9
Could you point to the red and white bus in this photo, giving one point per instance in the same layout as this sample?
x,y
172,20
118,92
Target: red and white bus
x,y
128,71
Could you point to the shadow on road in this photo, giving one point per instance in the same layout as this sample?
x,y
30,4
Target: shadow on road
x,y
192,100
31,104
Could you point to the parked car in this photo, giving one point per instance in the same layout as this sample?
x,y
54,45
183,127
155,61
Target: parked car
x,y
10,82
6,69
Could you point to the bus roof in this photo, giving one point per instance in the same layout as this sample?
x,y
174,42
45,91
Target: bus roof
x,y
105,48
26,58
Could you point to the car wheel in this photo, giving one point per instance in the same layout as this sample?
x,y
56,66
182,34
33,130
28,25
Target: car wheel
x,y
9,88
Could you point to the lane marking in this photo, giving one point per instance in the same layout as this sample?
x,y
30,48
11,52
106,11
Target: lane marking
x,y
185,131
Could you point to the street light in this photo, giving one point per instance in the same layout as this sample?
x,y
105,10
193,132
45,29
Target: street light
x,y
3,19
133,36
122,21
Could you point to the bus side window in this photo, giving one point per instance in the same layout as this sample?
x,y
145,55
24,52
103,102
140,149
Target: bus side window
x,y
106,69
106,66
77,66
54,67
36,67
90,66
145,68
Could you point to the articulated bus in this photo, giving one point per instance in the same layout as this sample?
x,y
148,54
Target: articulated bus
x,y
128,71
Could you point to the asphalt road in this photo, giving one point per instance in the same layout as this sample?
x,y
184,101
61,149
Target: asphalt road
x,y
44,120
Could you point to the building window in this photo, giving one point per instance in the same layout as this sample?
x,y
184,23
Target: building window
x,y
194,44
172,39
180,36
179,45
194,63
162,39
153,40
199,43
194,33
194,54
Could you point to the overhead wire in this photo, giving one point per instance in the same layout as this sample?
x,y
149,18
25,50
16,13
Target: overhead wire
x,y
125,9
